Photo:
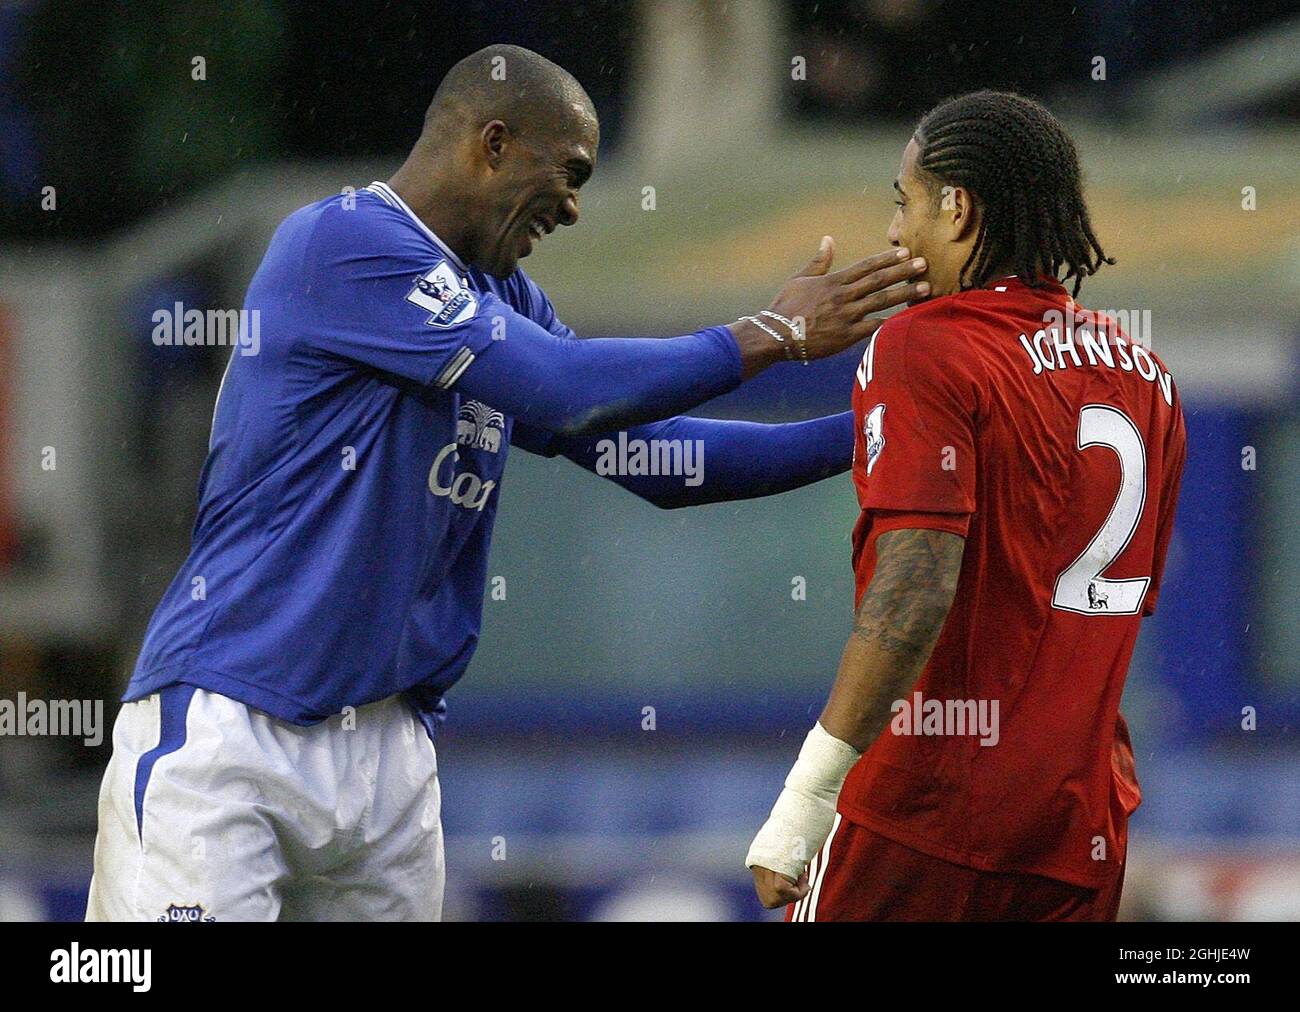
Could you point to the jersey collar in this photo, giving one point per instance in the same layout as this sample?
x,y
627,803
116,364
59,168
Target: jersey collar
x,y
389,196
1006,282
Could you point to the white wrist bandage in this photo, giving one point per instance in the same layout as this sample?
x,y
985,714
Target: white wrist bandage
x,y
802,817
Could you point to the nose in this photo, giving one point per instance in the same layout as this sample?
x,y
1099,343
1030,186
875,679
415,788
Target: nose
x,y
569,210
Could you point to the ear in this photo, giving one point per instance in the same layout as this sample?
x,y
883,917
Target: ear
x,y
959,205
494,139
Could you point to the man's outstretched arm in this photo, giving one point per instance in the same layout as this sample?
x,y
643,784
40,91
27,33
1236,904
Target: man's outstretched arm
x,y
577,387
897,624
705,460
382,301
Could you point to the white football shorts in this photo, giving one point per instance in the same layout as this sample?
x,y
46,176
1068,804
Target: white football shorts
x,y
211,810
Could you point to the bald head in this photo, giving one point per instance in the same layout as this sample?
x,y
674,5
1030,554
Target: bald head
x,y
530,94
508,141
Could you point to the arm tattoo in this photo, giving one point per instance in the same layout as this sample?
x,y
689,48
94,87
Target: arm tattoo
x,y
910,592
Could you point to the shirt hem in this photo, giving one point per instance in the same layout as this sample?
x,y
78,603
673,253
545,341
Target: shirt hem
x,y
257,696
971,859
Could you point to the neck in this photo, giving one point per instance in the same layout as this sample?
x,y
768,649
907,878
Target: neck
x,y
433,194
1005,270
993,275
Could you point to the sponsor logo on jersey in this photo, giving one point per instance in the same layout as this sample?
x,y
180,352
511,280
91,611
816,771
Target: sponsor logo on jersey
x,y
464,488
873,428
178,913
479,426
445,296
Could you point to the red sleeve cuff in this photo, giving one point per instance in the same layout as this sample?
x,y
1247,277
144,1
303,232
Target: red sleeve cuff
x,y
897,520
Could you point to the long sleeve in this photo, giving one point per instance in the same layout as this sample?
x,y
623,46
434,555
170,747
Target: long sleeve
x,y
715,461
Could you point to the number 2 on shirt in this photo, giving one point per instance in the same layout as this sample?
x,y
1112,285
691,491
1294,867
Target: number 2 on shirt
x,y
1081,587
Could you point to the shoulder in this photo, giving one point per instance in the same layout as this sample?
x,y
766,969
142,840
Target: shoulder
x,y
357,225
525,294
526,297
928,338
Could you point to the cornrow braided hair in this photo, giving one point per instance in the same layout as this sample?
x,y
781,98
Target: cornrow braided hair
x,y
1023,171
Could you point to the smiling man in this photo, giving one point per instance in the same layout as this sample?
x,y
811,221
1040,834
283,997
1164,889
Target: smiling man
x,y
274,755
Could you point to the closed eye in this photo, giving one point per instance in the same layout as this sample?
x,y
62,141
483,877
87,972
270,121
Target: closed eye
x,y
577,173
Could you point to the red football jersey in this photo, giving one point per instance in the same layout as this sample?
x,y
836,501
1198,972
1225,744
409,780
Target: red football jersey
x,y
1056,446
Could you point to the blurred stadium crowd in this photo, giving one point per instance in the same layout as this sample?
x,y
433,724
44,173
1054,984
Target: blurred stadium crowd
x,y
132,177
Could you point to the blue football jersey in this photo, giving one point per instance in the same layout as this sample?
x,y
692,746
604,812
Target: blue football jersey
x,y
347,500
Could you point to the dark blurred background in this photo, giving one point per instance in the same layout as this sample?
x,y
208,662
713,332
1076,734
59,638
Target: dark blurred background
x,y
92,93
147,151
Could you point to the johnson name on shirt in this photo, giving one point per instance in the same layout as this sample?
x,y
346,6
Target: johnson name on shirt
x,y
1048,350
